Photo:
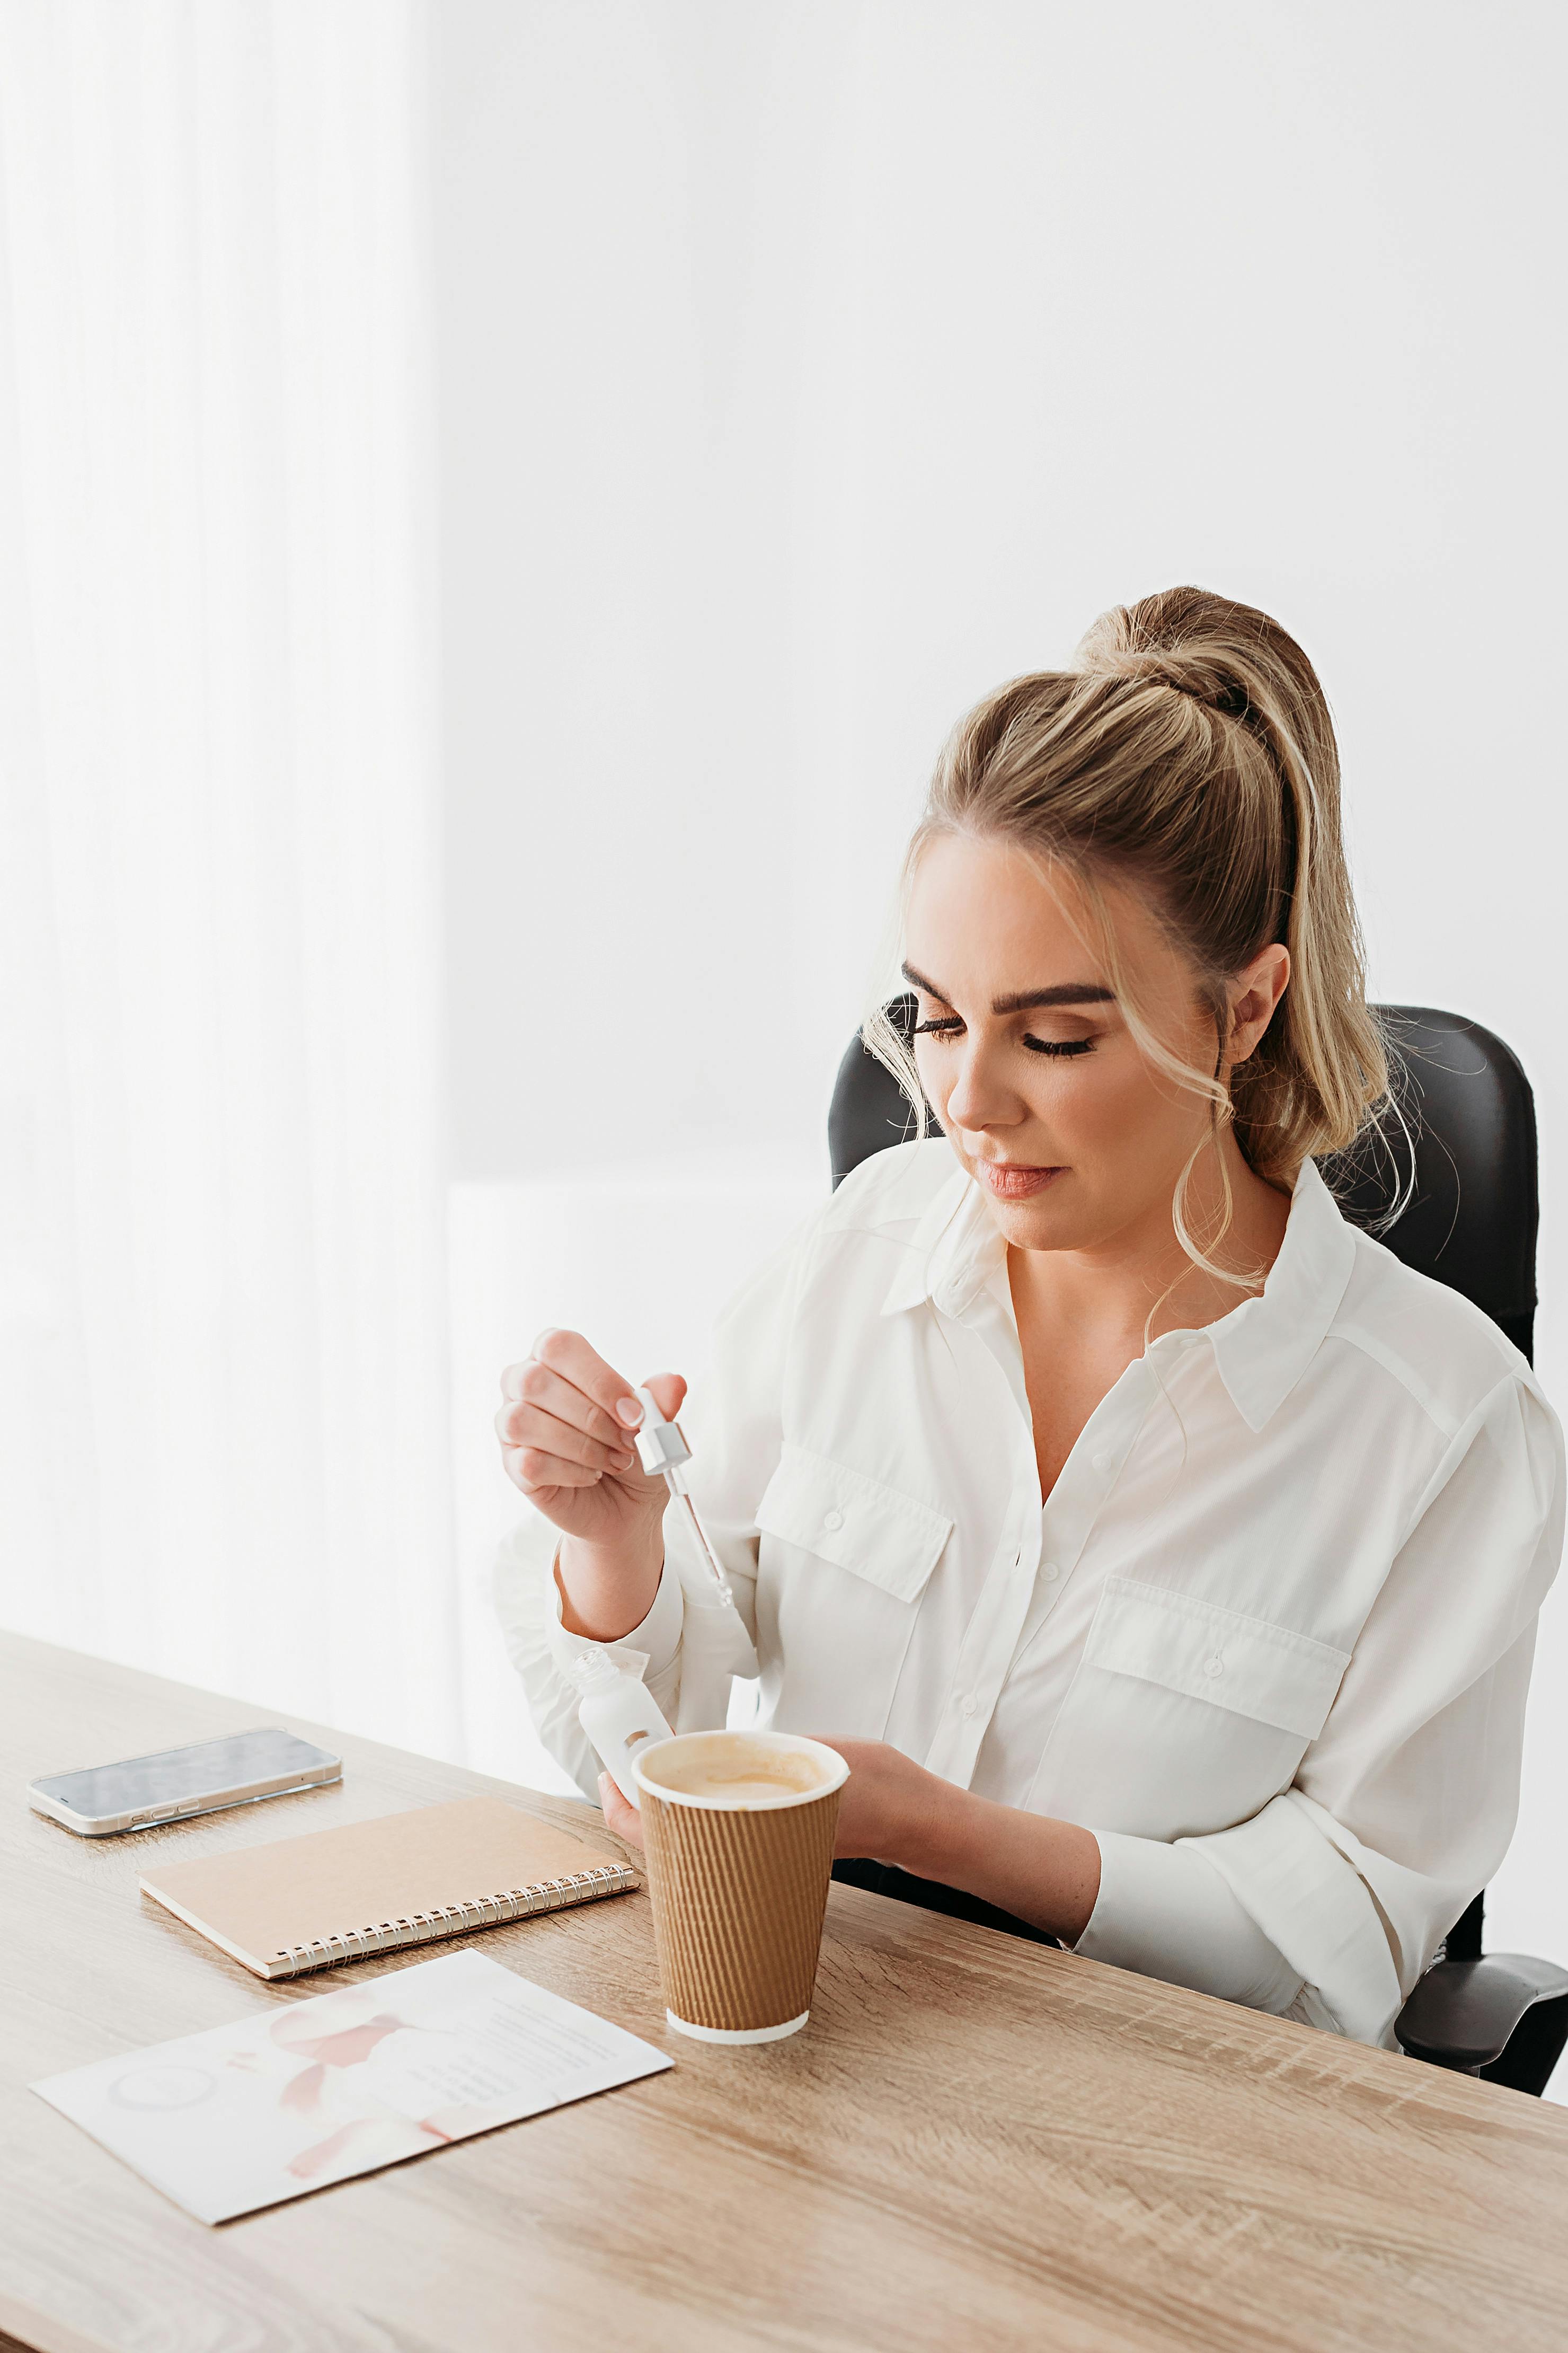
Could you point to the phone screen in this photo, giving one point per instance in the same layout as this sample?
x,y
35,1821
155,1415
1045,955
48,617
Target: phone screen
x,y
209,1769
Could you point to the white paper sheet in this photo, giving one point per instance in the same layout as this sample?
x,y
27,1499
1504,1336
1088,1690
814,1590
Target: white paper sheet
x,y
304,2093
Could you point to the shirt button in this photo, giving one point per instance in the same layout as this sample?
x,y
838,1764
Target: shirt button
x,y
1103,1461
1049,1571
1213,1667
970,1704
831,1520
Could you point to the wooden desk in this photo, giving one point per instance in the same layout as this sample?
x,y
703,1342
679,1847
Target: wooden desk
x,y
976,2142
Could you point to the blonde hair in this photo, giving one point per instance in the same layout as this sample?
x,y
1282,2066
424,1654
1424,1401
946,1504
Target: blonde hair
x,y
1189,753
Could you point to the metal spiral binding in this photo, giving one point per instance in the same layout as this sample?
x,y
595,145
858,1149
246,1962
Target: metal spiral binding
x,y
452,1919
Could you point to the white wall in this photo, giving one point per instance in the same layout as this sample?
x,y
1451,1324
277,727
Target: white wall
x,y
809,368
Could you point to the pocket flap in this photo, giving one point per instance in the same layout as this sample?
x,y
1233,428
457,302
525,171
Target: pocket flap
x,y
876,1531
1246,1664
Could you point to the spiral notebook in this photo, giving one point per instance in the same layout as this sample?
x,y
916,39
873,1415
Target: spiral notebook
x,y
336,1896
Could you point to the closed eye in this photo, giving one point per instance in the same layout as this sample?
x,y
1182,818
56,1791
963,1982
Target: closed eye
x,y
950,1023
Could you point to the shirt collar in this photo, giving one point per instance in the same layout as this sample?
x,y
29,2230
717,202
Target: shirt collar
x,y
950,1254
1261,1348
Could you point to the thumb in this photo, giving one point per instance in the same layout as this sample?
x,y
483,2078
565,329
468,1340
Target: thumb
x,y
670,1392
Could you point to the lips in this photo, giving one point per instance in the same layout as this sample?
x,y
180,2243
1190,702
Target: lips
x,y
1009,1182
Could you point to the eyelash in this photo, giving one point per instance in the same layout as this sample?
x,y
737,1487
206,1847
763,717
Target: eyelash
x,y
1056,1046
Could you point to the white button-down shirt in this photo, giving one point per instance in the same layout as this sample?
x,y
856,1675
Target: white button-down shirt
x,y
1268,1638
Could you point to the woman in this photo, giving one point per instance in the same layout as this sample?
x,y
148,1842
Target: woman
x,y
1162,1554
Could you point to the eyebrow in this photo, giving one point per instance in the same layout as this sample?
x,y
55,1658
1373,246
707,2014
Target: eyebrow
x,y
1024,1000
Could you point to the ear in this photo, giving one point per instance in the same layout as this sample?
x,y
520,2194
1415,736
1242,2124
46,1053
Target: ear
x,y
1254,993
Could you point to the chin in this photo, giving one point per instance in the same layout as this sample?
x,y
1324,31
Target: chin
x,y
1038,1225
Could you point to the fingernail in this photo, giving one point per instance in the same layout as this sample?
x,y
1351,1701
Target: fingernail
x,y
629,1411
623,1461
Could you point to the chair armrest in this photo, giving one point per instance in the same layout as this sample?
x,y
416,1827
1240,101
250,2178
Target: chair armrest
x,y
1463,2013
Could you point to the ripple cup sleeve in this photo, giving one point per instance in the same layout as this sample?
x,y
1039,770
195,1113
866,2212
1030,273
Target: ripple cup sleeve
x,y
739,1891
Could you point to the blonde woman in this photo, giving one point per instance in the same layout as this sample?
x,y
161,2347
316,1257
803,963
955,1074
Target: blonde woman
x,y
1162,1554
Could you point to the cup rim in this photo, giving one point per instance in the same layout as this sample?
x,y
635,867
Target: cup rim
x,y
790,1743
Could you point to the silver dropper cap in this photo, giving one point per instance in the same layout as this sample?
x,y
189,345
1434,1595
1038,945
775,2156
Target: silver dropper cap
x,y
660,1444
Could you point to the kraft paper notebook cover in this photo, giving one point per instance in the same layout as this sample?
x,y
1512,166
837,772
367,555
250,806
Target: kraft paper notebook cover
x,y
336,1896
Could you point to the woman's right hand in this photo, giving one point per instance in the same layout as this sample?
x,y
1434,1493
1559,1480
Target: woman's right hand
x,y
565,1431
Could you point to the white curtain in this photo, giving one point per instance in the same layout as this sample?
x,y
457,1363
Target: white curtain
x,y
222,1351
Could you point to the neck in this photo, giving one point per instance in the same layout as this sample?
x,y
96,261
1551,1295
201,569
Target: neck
x,y
1110,1288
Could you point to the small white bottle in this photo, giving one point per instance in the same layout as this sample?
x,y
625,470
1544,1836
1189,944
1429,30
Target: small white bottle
x,y
619,1714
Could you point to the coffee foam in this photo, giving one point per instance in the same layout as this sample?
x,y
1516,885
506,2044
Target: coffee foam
x,y
738,1768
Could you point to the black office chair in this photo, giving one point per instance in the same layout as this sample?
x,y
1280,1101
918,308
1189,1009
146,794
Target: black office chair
x,y
1471,1221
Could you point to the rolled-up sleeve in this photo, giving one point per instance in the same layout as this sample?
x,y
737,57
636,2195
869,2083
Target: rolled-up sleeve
x,y
1403,1806
692,1644
528,1604
1166,1912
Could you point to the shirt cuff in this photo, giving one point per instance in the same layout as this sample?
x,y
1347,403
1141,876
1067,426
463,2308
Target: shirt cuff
x,y
650,1651
1166,1912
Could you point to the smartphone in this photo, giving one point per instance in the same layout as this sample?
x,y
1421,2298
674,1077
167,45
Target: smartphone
x,y
177,1782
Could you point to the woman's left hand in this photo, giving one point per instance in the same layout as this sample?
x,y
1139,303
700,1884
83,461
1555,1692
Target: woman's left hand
x,y
624,1820
889,1809
891,1805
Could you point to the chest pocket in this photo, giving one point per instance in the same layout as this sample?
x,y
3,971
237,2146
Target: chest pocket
x,y
1183,1716
821,1506
843,1560
1247,1665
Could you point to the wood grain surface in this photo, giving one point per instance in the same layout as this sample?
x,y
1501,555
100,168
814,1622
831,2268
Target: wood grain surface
x,y
976,2142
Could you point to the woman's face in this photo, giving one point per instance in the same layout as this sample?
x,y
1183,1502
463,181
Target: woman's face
x,y
1075,1138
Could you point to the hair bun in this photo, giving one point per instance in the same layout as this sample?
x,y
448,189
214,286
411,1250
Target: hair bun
x,y
1208,674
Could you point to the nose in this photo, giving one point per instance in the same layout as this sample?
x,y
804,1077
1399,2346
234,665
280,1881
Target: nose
x,y
978,1100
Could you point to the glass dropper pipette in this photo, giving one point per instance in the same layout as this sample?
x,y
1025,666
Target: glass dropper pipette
x,y
663,1453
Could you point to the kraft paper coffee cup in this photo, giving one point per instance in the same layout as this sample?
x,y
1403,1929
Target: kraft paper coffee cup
x,y
738,1832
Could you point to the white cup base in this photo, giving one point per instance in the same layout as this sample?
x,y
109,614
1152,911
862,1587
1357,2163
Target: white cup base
x,y
737,2034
